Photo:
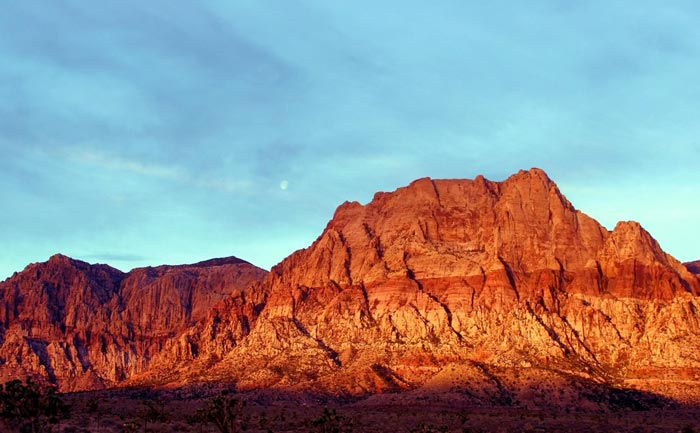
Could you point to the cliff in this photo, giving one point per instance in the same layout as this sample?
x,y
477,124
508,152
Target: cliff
x,y
442,283
456,272
88,326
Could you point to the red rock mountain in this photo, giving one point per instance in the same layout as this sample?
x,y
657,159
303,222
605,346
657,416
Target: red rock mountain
x,y
442,283
89,326
461,275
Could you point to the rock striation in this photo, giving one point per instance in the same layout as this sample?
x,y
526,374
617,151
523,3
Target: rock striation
x,y
88,326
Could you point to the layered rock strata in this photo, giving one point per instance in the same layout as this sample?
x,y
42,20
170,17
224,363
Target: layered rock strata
x,y
438,280
458,272
88,326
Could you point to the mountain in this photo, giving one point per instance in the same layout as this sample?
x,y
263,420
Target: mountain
x,y
497,291
693,267
470,277
88,326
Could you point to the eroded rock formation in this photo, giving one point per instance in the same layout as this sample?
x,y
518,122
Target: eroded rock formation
x,y
437,279
87,326
456,272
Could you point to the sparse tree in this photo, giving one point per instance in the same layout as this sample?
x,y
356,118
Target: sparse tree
x,y
153,412
225,411
28,407
93,407
331,422
130,427
429,428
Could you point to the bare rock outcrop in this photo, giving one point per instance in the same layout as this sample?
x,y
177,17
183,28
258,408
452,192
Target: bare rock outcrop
x,y
85,326
443,271
437,280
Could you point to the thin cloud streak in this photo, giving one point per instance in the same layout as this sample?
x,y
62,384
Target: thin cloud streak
x,y
113,257
166,172
117,163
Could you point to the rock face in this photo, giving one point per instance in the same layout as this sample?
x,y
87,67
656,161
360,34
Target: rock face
x,y
438,280
470,272
88,326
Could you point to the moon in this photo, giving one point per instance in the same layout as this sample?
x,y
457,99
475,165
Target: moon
x,y
283,185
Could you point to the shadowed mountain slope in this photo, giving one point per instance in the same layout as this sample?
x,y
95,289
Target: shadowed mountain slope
x,y
693,267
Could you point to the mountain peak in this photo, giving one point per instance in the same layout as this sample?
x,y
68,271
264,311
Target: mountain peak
x,y
457,225
59,258
533,172
452,267
629,240
221,261
532,175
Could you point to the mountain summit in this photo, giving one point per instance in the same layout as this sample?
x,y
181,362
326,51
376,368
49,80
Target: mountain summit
x,y
452,272
447,283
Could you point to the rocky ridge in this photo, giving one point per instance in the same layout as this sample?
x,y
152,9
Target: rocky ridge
x,y
471,275
442,284
88,326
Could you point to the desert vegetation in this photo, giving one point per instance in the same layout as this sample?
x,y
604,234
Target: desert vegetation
x,y
228,411
27,407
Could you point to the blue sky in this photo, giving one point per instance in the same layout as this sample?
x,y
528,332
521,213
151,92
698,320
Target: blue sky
x,y
140,133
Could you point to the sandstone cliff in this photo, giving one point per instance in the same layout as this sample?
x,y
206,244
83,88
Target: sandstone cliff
x,y
454,284
87,326
470,272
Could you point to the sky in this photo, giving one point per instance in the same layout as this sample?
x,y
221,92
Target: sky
x,y
140,133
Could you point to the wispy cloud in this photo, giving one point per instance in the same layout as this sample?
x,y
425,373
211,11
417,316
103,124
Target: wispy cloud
x,y
114,257
112,162
170,172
